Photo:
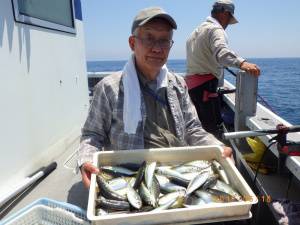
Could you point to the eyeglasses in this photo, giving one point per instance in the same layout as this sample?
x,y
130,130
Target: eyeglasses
x,y
150,42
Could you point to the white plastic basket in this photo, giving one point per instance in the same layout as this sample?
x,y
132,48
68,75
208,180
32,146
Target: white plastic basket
x,y
48,212
216,212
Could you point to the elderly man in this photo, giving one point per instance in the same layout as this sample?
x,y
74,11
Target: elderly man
x,y
145,105
207,54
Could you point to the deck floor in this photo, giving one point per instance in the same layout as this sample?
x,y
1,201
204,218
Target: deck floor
x,y
61,185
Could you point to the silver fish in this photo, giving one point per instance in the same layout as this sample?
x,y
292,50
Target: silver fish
x,y
112,204
174,176
101,212
222,195
106,191
174,195
139,176
190,176
197,182
147,196
155,188
165,206
149,173
122,191
211,181
167,186
193,200
133,197
187,169
208,197
118,183
118,170
202,164
218,168
221,186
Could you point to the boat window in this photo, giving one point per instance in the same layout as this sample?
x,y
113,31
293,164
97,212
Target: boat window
x,y
53,14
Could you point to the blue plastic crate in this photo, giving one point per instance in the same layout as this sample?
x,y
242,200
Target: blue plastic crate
x,y
47,212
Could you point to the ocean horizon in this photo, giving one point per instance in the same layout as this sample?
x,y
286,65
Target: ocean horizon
x,y
278,84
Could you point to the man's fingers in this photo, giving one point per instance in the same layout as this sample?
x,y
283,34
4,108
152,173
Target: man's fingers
x,y
86,170
227,152
85,179
90,168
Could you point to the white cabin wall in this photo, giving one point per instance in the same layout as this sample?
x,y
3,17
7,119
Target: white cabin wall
x,y
43,94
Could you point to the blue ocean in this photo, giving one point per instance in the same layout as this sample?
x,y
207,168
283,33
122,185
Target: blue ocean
x,y
279,83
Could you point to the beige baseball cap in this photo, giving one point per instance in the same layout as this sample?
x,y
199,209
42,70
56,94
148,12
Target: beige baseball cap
x,y
147,14
228,6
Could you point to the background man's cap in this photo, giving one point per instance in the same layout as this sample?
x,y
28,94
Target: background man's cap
x,y
228,6
147,14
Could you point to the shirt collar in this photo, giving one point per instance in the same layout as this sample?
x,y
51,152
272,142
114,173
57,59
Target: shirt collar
x,y
213,20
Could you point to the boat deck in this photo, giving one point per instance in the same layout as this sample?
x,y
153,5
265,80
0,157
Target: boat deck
x,y
61,185
265,119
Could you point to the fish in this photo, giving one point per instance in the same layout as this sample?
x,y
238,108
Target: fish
x,y
117,183
106,191
190,176
221,186
122,191
218,168
208,197
211,181
167,186
133,197
147,196
187,169
165,206
173,195
224,197
101,212
110,204
193,200
149,173
173,175
139,176
130,166
155,188
202,164
118,171
197,182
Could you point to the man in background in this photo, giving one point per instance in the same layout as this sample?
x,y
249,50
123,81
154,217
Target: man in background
x,y
145,105
207,54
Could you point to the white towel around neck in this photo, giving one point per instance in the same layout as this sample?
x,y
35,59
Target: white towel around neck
x,y
132,114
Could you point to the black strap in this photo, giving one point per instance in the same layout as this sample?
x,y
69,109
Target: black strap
x,y
156,97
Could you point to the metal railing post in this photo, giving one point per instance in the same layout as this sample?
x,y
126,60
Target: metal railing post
x,y
245,99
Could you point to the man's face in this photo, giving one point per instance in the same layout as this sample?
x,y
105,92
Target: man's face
x,y
226,19
151,46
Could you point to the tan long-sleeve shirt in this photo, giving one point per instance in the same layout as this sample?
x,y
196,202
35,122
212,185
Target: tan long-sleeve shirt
x,y
208,52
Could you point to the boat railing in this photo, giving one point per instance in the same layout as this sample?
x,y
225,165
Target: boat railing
x,y
251,115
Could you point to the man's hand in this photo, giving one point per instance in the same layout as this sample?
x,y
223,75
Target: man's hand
x,y
227,152
86,170
250,68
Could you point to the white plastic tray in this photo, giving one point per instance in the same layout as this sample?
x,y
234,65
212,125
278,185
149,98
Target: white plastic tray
x,y
207,213
48,212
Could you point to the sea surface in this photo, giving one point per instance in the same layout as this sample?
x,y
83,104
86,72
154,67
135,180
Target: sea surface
x,y
279,83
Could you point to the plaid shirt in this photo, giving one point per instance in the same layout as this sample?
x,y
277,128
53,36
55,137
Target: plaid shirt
x,y
104,127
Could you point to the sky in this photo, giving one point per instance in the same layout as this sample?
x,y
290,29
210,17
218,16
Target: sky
x,y
266,28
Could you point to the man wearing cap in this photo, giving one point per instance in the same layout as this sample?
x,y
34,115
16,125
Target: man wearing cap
x,y
144,105
207,54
